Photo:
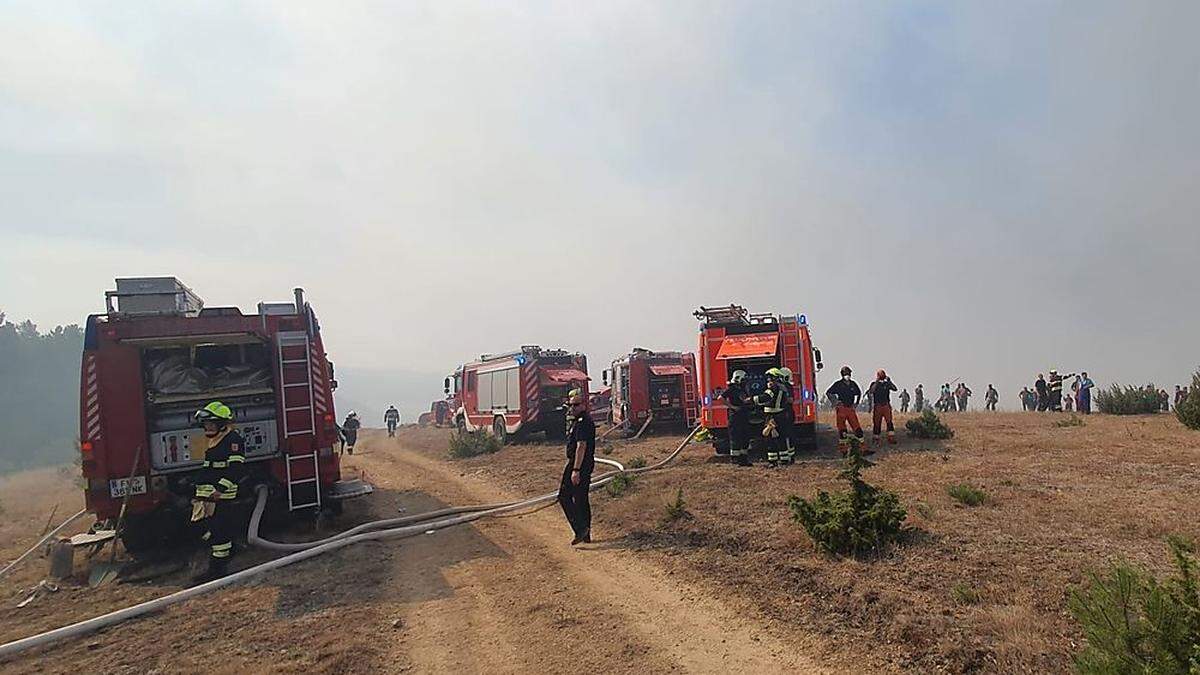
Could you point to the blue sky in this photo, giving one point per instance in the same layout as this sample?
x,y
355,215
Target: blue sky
x,y
947,189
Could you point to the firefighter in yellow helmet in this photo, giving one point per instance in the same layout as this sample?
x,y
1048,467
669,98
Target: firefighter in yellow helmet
x,y
224,466
775,401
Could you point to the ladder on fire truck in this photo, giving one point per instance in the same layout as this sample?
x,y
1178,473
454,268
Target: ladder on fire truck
x,y
691,409
295,374
791,344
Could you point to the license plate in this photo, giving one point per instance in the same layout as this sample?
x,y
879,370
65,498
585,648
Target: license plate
x,y
117,487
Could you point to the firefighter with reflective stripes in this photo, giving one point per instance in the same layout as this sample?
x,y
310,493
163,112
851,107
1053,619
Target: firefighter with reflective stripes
x,y
1055,389
224,466
775,401
739,418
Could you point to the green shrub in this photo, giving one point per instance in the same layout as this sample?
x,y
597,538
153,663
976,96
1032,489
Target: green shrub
x,y
1072,421
675,509
637,462
928,425
1127,400
861,520
967,495
463,445
619,484
964,594
1188,411
1135,623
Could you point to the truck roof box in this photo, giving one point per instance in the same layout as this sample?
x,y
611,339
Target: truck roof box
x,y
153,295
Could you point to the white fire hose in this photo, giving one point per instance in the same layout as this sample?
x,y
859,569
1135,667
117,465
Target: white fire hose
x,y
396,528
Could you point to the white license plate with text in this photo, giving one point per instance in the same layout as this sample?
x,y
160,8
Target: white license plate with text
x,y
117,487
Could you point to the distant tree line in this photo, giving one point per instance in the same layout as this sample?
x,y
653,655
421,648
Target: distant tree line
x,y
39,394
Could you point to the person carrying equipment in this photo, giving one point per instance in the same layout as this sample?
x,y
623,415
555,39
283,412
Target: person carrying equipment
x,y
224,466
392,419
904,399
774,401
845,393
990,398
880,393
350,431
739,418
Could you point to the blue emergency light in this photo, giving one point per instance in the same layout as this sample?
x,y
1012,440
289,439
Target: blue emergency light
x,y
802,320
521,360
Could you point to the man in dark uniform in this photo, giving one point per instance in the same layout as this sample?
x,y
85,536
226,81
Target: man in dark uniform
x,y
224,466
577,474
739,418
391,417
350,431
880,393
845,393
1043,393
1055,389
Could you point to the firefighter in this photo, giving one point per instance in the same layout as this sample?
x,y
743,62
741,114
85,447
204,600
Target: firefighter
x,y
392,419
846,394
224,467
880,393
577,474
739,418
785,378
774,401
350,431
1054,388
919,398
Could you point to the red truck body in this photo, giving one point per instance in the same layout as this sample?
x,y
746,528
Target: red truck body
x,y
518,393
655,386
150,364
733,339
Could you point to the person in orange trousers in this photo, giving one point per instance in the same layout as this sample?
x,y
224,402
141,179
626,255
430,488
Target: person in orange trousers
x,y
880,393
845,395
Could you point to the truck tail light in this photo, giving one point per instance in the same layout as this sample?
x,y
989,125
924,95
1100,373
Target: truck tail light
x,y
85,449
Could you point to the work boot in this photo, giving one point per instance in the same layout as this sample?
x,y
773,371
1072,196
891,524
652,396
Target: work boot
x,y
891,438
215,570
585,538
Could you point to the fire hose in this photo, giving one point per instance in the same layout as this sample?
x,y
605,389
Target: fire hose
x,y
395,528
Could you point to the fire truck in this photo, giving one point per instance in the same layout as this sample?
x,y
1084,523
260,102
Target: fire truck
x,y
156,356
518,393
731,339
655,389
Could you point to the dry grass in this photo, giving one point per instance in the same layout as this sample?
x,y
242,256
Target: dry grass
x,y
1062,501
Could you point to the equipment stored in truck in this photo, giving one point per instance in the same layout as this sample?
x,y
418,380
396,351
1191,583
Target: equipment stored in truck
x,y
158,354
733,339
518,393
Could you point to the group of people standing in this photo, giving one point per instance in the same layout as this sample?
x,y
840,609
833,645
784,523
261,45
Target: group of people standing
x,y
1047,394
775,402
845,395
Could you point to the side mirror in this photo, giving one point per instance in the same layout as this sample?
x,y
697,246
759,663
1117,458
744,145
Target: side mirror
x,y
817,356
446,385
604,375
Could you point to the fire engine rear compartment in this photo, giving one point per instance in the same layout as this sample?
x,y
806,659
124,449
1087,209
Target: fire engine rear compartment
x,y
182,374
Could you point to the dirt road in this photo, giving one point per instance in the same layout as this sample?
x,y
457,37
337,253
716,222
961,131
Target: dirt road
x,y
502,595
523,600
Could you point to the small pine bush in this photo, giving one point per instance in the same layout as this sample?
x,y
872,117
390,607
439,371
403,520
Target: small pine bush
x,y
1127,400
463,445
619,484
967,495
675,509
861,520
637,462
1135,623
928,425
1188,411
965,595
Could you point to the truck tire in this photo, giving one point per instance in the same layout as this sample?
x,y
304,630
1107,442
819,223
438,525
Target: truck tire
x,y
720,441
163,529
499,431
804,437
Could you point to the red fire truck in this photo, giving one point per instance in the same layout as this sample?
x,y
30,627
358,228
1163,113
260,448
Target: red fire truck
x,y
521,392
158,355
733,339
655,386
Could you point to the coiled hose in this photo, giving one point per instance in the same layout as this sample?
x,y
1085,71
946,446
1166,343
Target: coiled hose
x,y
391,528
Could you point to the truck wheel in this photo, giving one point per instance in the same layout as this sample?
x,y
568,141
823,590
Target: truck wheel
x,y
804,437
499,431
145,534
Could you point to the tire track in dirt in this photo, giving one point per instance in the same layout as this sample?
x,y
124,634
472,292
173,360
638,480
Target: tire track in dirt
x,y
540,605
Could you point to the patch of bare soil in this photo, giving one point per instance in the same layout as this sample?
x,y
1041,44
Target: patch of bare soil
x,y
969,589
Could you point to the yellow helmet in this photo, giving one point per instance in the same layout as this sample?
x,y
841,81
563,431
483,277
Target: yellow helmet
x,y
214,412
